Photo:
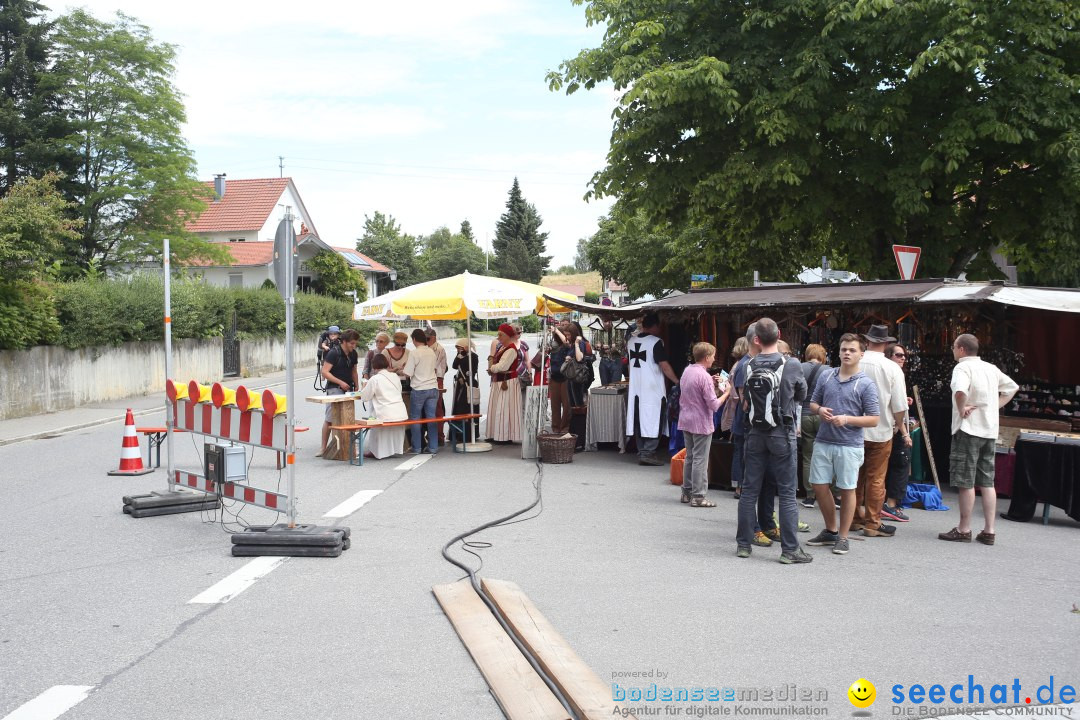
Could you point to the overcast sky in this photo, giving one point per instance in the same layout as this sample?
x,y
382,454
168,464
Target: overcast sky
x,y
422,109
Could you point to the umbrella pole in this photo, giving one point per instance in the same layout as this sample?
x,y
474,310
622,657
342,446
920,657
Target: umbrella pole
x,y
472,445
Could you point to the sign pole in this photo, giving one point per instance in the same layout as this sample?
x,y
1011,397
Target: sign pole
x,y
167,271
290,404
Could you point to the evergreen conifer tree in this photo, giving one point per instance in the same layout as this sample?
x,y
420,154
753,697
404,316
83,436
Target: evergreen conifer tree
x,y
519,245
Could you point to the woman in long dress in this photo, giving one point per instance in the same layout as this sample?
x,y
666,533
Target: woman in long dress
x,y
466,385
397,355
383,391
504,400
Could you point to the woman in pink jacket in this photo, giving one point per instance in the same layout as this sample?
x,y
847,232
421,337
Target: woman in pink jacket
x,y
700,396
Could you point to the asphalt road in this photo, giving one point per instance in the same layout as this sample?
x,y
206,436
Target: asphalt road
x,y
634,580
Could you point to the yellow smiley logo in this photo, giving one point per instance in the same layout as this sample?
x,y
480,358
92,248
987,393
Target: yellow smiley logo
x,y
862,693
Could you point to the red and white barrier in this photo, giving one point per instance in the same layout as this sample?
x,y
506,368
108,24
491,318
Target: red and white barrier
x,y
233,491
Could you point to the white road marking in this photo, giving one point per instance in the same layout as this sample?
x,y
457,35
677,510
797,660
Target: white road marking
x,y
414,462
52,703
353,504
238,582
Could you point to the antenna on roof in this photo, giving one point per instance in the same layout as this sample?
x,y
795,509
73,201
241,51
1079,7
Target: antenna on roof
x,y
281,165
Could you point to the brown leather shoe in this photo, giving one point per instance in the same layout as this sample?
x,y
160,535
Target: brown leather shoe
x,y
955,535
985,538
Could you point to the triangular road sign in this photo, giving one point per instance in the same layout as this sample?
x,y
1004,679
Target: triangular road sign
x,y
907,260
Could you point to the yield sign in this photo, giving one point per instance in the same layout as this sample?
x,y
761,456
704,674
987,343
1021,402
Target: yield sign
x,y
907,260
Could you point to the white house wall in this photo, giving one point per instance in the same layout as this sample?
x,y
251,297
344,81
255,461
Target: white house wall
x,y
287,198
220,277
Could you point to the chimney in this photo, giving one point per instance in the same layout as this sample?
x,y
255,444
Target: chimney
x,y
219,186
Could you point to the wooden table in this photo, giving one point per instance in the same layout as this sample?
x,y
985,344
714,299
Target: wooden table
x,y
342,412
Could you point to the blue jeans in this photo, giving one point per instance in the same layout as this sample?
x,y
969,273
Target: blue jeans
x,y
422,405
775,452
767,493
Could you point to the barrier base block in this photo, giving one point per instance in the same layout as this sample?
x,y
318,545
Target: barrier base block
x,y
157,499
169,509
288,550
299,541
170,503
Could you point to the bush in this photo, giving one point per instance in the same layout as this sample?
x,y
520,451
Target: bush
x,y
27,316
99,311
530,324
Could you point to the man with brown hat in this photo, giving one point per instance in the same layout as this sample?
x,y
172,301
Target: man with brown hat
x,y
878,440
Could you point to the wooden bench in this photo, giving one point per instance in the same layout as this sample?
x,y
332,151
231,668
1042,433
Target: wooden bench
x,y
154,437
358,432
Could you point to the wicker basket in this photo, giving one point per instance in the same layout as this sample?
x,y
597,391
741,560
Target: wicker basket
x,y
556,449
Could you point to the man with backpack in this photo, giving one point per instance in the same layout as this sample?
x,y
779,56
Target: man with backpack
x,y
774,385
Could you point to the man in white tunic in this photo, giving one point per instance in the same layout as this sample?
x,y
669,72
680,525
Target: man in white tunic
x,y
646,411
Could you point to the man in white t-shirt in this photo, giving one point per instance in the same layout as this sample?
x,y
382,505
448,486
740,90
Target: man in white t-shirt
x,y
979,390
878,439
420,367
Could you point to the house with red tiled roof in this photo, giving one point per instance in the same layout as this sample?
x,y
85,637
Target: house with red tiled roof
x,y
617,292
244,216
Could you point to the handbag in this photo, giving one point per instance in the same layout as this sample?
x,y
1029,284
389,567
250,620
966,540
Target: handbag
x,y
728,414
573,370
474,396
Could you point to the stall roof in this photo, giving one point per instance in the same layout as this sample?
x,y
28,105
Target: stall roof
x,y
1058,299
789,295
830,295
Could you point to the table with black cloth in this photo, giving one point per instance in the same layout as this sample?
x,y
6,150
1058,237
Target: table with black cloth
x,y
1047,473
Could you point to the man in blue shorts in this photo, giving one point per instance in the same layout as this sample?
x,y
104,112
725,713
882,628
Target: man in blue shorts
x,y
847,401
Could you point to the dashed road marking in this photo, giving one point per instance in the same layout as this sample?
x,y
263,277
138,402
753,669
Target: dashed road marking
x,y
414,462
238,582
52,703
353,504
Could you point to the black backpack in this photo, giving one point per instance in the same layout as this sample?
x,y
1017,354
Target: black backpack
x,y
763,392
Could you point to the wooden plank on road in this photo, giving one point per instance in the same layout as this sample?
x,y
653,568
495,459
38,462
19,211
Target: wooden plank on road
x,y
586,692
517,688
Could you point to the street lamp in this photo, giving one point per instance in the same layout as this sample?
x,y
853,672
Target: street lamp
x,y
393,280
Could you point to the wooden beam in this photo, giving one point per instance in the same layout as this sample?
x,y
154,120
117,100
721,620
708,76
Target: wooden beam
x,y
584,690
517,688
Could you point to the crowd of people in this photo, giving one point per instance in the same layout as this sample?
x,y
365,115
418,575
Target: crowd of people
x,y
852,422
399,382
850,425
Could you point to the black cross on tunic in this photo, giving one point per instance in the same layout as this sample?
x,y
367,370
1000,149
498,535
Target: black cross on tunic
x,y
637,355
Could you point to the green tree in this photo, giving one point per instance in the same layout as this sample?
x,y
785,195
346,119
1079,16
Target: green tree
x,y
581,257
645,257
35,222
384,242
135,180
446,254
847,127
336,278
566,270
519,245
466,231
30,116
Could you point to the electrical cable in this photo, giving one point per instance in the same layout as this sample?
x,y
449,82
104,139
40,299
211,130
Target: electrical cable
x,y
471,546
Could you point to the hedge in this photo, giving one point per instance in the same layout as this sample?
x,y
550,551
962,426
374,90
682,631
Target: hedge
x,y
93,312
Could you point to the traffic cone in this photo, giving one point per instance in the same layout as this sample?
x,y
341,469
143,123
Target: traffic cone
x,y
130,455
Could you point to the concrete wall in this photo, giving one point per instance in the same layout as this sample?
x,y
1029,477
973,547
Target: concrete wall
x,y
258,357
48,379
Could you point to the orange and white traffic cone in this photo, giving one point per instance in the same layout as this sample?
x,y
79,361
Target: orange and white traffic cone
x,y
130,454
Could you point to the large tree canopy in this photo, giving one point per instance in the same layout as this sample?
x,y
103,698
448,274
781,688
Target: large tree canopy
x,y
384,242
784,131
135,180
30,118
